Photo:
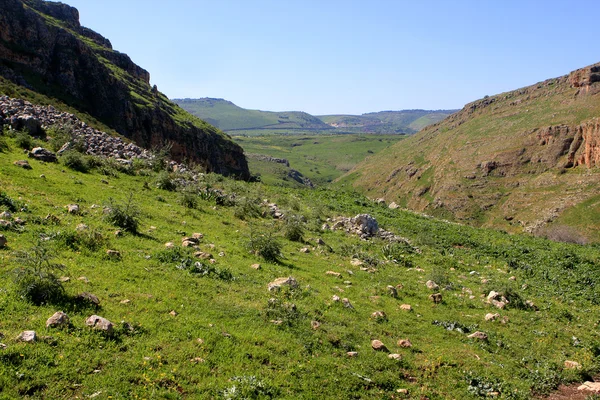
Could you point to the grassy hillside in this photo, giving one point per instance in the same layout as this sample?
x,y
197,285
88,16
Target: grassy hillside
x,y
321,158
231,118
213,330
405,121
517,160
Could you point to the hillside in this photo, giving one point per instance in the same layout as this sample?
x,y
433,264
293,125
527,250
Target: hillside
x,y
168,286
388,122
233,119
521,160
45,52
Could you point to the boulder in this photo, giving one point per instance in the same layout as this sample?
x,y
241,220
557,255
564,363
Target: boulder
x,y
378,345
392,291
113,254
99,323
393,206
491,317
58,320
405,343
436,298
379,315
279,282
478,335
27,123
366,224
255,266
431,285
593,387
394,356
406,307
352,354
73,208
88,297
23,164
27,336
42,154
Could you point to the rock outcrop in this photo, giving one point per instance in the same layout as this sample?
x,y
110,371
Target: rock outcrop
x,y
44,48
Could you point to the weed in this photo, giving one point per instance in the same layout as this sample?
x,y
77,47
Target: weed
x,y
246,208
188,199
75,161
23,140
124,215
284,312
249,387
163,181
294,230
9,203
265,246
35,279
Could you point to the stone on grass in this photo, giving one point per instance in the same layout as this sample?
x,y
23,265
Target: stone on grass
x,y
491,317
347,303
197,235
395,356
81,228
2,241
378,345
73,208
255,266
393,206
169,245
58,320
305,250
335,298
356,262
352,353
27,337
279,282
315,325
333,273
436,298
379,316
88,297
99,323
203,255
406,307
432,285
478,335
405,343
23,164
113,254
174,313
188,243
572,365
64,279
590,387
125,301
392,291
42,154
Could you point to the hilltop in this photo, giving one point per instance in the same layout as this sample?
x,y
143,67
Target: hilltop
x,y
46,56
521,160
240,121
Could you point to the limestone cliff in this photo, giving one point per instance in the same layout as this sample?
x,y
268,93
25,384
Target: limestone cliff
x,y
44,47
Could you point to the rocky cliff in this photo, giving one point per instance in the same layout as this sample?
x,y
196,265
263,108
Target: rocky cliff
x,y
44,47
524,159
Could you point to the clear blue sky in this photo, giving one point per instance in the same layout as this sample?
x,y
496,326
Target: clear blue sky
x,y
334,56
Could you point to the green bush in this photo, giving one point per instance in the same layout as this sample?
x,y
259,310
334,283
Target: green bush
x,y
35,279
246,208
9,203
163,181
188,199
124,215
75,161
265,246
24,140
294,230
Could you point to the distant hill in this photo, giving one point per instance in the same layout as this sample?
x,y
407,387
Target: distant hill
x,y
47,57
236,120
230,118
404,121
526,159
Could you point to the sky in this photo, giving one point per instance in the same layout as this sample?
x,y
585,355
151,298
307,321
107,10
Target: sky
x,y
347,57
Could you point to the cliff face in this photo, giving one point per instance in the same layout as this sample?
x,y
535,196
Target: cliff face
x,y
517,160
44,47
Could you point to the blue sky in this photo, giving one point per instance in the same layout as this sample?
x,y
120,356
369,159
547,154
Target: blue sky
x,y
347,57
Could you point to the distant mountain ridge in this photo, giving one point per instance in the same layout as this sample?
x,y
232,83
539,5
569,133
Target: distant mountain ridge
x,y
522,160
44,48
232,118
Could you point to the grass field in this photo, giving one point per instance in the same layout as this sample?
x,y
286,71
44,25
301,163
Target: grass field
x,y
213,330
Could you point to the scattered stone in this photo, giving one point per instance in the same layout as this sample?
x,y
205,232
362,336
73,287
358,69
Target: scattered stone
x,y
197,360
432,285
125,301
392,291
81,227
512,278
27,337
497,300
64,279
356,262
203,255
347,282
531,305
379,315
189,243
395,356
402,391
58,320
279,282
352,353
315,325
191,239
3,346
404,343
84,279
73,208
23,164
572,365
305,250
276,321
347,303
406,307
320,242
113,254
88,297
174,313
5,215
198,236
590,387
478,335
169,245
393,206
42,154
436,298
335,298
491,317
378,345
221,254
99,323
333,273
255,266
3,241
118,233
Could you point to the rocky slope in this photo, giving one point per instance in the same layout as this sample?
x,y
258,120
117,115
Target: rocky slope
x,y
44,47
525,159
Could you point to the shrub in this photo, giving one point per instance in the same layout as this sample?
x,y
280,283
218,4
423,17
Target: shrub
x,y
10,204
564,234
3,145
59,135
23,140
188,199
294,230
247,208
163,181
265,246
75,161
124,215
35,279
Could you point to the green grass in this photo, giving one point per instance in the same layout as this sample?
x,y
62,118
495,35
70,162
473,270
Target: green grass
x,y
321,158
154,354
